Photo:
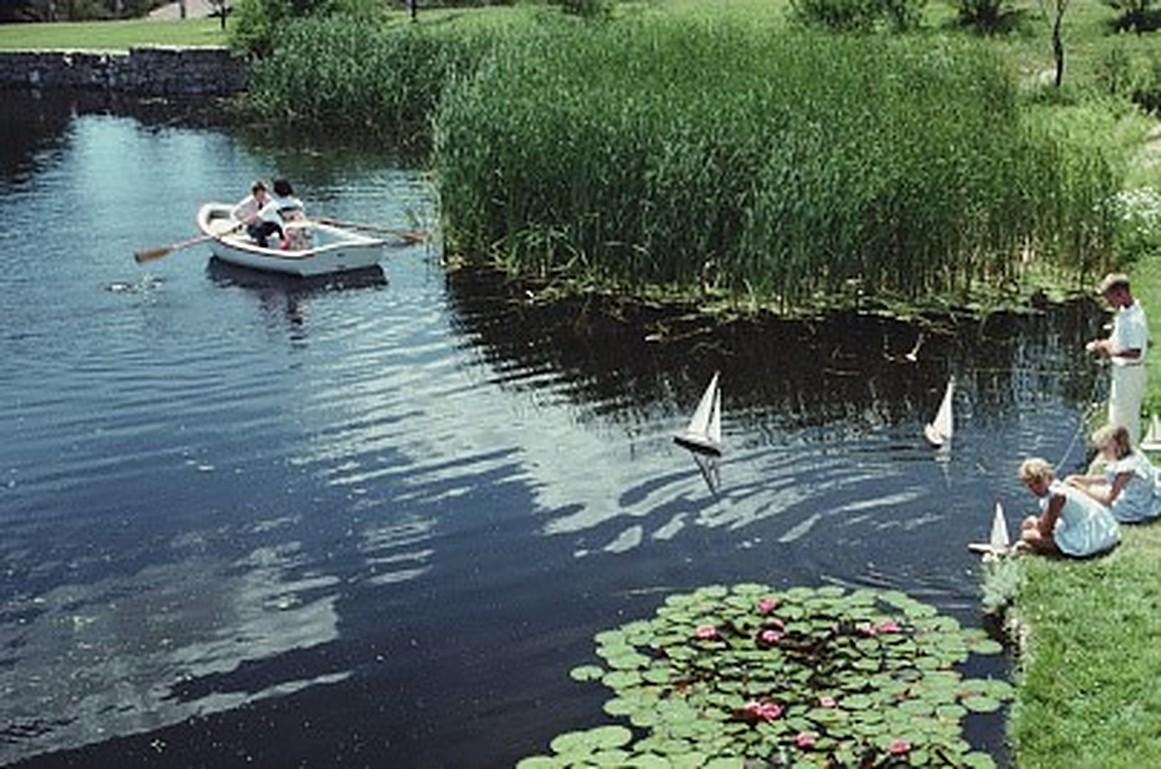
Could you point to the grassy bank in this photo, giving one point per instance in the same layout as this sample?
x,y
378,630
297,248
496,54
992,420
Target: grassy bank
x,y
1089,694
110,35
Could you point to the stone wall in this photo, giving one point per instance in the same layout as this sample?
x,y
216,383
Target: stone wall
x,y
145,70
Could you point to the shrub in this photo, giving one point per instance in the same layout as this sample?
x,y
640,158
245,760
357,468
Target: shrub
x,y
983,15
859,15
631,155
260,24
1139,15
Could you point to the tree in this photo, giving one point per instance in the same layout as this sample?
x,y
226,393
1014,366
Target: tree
x,y
1054,12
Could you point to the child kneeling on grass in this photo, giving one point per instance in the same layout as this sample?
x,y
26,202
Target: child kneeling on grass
x,y
1070,522
1130,486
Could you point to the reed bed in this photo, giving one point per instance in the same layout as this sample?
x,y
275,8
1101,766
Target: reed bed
x,y
678,153
340,72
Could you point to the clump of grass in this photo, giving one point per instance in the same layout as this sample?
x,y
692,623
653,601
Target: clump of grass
x,y
342,72
637,155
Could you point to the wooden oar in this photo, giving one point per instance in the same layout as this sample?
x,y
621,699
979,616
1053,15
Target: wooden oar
x,y
412,236
156,253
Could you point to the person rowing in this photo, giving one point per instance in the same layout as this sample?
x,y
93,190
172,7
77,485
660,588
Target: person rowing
x,y
279,209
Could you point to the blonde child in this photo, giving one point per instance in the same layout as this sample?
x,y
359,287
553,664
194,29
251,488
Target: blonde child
x,y
1070,522
1130,487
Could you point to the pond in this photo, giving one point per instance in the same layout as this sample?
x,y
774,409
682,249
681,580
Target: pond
x,y
375,522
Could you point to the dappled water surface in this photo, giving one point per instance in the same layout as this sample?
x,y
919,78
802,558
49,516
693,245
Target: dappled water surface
x,y
374,522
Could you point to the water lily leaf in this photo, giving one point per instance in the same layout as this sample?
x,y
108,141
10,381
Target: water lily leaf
x,y
951,712
571,743
647,761
586,673
619,706
980,704
731,762
538,762
985,646
656,675
621,679
608,736
978,761
613,757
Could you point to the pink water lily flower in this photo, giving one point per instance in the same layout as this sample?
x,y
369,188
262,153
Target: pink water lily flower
x,y
767,711
827,702
767,605
889,626
804,740
770,636
706,632
899,747
867,630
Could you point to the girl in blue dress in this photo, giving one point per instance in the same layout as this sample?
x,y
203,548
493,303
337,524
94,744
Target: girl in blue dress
x,y
1130,487
1070,523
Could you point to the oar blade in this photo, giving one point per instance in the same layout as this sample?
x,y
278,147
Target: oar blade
x,y
150,254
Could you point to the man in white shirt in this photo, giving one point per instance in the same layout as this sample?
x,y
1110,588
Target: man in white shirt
x,y
1125,349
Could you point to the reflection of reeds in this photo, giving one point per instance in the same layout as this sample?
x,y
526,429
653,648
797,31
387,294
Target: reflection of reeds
x,y
632,154
625,360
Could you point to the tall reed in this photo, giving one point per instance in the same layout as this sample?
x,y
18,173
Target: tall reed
x,y
343,72
634,154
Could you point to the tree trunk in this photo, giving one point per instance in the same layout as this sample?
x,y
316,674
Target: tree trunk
x,y
1058,45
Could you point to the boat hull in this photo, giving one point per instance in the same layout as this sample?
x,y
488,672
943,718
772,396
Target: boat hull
x,y
342,251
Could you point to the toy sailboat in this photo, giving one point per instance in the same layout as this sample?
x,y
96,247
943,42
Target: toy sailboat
x,y
938,431
1152,439
703,435
999,543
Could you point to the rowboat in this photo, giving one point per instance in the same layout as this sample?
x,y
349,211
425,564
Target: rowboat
x,y
332,248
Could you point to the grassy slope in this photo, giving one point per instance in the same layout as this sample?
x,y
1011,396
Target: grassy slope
x,y
110,35
1090,690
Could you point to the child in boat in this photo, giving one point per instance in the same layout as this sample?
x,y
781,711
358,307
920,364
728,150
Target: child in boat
x,y
246,211
1070,522
1130,486
292,213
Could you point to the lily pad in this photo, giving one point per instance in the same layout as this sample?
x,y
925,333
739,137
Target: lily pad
x,y
584,673
980,704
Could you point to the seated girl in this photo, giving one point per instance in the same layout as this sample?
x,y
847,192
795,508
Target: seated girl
x,y
1130,486
1070,522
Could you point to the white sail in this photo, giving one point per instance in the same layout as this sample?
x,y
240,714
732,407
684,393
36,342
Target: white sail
x,y
940,429
999,539
704,432
1152,439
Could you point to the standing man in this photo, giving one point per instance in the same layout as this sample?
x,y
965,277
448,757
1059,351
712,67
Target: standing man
x,y
1125,349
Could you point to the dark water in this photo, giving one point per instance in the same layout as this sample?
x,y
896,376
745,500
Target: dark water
x,y
247,522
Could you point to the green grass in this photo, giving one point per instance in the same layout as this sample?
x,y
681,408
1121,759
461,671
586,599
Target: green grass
x,y
1089,693
110,35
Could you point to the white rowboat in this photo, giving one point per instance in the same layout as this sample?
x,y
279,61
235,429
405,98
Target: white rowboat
x,y
333,249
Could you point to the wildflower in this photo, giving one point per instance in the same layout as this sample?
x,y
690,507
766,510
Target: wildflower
x,y
804,740
767,605
899,747
706,632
